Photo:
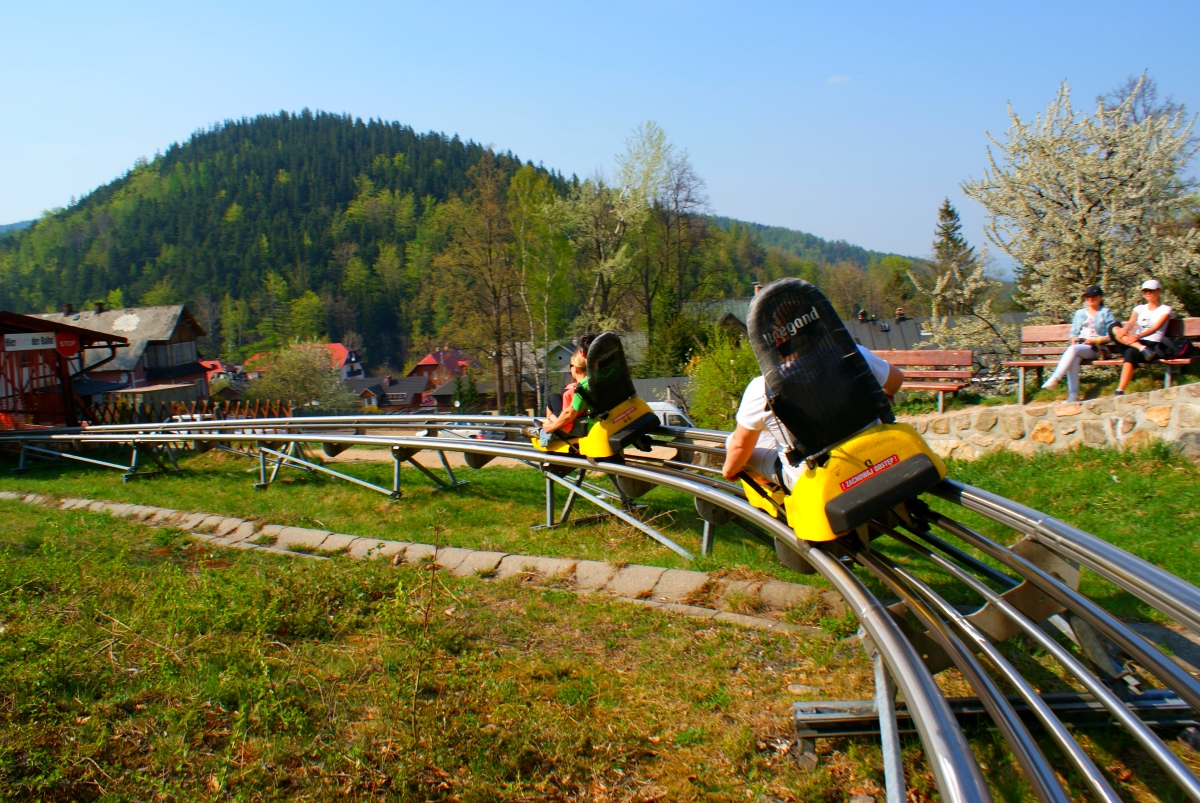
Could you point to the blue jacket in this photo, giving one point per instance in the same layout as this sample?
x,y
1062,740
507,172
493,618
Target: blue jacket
x,y
1104,320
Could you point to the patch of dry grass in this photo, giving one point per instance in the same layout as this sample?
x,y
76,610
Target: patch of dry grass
x,y
142,665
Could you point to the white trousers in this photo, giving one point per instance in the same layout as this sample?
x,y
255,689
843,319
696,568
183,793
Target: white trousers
x,y
1068,365
767,458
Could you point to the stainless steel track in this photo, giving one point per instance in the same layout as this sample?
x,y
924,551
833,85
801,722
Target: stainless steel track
x,y
949,755
1175,597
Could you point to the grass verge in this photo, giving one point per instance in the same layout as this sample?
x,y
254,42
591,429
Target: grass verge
x,y
140,665
496,511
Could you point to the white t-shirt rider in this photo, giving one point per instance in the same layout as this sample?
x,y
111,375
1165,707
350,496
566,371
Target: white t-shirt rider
x,y
754,414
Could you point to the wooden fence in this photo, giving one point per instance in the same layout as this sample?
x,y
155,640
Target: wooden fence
x,y
161,412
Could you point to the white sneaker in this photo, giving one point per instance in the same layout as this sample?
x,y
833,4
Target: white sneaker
x,y
1050,384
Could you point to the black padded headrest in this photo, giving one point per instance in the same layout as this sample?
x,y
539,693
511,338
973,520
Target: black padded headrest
x,y
609,382
818,384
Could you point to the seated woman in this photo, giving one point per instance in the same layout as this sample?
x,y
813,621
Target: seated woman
x,y
571,405
563,411
1089,329
1143,333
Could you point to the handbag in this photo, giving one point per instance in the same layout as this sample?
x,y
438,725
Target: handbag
x,y
1174,348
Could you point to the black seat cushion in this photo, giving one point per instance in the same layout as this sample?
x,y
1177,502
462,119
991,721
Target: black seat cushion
x,y
609,382
818,384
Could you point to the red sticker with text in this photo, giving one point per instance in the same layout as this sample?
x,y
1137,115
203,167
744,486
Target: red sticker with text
x,y
870,471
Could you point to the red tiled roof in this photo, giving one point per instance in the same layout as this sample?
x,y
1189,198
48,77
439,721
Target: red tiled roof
x,y
337,354
451,359
215,367
255,359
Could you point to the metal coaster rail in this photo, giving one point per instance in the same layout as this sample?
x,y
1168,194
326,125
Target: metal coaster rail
x,y
905,653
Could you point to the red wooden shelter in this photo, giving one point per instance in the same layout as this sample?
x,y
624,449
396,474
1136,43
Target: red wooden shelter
x,y
38,361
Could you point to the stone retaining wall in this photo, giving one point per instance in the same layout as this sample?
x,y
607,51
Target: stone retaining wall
x,y
1125,422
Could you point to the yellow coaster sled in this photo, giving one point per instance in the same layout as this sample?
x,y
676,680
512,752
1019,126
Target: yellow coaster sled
x,y
618,417
608,435
855,463
874,471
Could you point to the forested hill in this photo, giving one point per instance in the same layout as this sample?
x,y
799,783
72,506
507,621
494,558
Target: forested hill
x,y
807,247
317,225
215,213
10,227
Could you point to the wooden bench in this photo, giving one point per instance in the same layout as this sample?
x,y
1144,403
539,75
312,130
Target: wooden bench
x,y
1049,342
939,371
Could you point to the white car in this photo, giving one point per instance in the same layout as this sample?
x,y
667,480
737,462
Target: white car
x,y
477,433
671,416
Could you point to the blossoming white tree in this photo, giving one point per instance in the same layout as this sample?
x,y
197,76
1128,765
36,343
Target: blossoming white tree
x,y
1078,200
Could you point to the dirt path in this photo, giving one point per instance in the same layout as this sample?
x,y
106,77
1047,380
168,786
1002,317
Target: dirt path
x,y
427,459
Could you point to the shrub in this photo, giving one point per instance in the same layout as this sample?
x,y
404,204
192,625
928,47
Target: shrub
x,y
720,373
302,374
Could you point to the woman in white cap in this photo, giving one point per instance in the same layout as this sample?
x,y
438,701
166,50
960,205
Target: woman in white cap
x,y
1144,331
1089,329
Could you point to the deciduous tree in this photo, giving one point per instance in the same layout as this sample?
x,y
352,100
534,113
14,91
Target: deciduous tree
x,y
302,374
479,277
720,373
541,256
1078,200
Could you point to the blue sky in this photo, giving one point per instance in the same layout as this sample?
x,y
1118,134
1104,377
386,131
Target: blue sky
x,y
848,120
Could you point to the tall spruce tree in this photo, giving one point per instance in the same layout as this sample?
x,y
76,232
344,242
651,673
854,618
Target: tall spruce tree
x,y
960,296
951,253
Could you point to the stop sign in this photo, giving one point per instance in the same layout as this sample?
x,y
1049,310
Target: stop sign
x,y
66,343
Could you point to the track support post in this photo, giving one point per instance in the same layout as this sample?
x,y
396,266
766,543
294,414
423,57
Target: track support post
x,y
889,733
133,464
262,470
570,503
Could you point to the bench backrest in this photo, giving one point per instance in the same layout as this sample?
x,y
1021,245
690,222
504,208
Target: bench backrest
x,y
928,364
1054,333
929,358
1184,327
1061,332
1055,336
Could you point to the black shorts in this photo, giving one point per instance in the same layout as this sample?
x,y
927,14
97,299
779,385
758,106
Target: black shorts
x,y
1135,356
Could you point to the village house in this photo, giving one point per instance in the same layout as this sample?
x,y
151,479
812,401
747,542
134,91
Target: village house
x,y
439,367
345,359
161,351
392,394
443,396
534,359
230,380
